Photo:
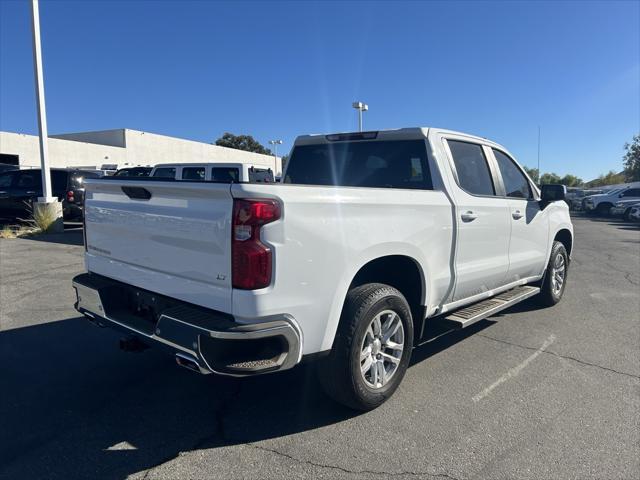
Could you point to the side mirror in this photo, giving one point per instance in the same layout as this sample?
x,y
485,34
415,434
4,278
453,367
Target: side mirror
x,y
552,193
621,195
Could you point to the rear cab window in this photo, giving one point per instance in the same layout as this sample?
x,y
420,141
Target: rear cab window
x,y
77,179
472,168
373,164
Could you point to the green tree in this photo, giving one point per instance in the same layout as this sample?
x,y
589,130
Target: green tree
x,y
571,181
285,159
242,142
611,178
632,160
533,173
549,178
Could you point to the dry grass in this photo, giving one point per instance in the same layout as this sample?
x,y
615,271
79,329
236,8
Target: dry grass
x,y
17,231
43,218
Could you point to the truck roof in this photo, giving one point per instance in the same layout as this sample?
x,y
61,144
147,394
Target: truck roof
x,y
409,133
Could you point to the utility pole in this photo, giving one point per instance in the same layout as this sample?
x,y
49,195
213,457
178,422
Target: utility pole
x,y
275,144
539,173
361,107
47,200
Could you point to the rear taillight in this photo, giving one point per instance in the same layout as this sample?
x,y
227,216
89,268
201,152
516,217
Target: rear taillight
x,y
251,259
70,197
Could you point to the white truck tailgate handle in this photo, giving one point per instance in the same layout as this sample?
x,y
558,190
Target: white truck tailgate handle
x,y
468,216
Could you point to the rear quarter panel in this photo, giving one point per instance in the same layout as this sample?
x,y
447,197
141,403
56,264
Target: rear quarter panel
x,y
326,234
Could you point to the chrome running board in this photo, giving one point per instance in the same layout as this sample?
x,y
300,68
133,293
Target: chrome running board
x,y
479,311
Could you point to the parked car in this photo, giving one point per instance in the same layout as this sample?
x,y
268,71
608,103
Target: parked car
x,y
601,204
214,172
623,208
368,237
133,172
20,188
4,167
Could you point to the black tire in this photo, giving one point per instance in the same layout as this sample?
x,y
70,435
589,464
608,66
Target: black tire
x,y
626,215
340,372
603,209
549,294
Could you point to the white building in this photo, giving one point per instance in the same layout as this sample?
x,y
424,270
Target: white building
x,y
110,149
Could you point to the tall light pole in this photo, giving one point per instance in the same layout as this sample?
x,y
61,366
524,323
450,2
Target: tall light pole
x,y
361,107
275,144
539,173
47,200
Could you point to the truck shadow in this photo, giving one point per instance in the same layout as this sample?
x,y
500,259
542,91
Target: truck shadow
x,y
72,235
74,406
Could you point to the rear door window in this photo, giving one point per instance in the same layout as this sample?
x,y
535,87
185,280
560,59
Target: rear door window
x,y
59,180
515,183
165,172
193,173
472,168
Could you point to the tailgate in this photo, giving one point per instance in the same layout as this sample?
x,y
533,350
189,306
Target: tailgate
x,y
177,242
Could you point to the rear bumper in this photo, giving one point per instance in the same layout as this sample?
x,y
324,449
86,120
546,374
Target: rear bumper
x,y
200,337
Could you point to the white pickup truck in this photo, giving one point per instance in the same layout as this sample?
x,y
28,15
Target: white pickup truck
x,y
369,237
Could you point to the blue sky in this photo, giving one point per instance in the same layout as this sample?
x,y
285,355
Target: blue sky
x,y
279,69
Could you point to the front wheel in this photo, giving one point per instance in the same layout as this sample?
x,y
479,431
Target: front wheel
x,y
372,347
555,277
603,209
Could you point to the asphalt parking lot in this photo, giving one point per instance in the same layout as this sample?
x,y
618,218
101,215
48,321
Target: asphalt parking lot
x,y
530,393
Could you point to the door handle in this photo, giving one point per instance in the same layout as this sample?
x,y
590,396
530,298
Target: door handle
x,y
31,193
468,216
517,215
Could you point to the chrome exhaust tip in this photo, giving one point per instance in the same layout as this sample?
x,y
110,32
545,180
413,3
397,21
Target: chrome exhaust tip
x,y
188,362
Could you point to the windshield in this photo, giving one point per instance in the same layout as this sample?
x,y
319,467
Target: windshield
x,y
381,164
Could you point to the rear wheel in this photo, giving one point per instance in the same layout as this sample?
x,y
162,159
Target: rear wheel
x,y
555,279
626,216
372,347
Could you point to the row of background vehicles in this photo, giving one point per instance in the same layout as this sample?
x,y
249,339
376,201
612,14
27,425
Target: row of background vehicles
x,y
19,188
620,202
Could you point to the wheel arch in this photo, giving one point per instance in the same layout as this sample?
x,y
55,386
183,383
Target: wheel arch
x,y
401,271
565,236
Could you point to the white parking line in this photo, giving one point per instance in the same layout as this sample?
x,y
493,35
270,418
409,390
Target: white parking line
x,y
514,371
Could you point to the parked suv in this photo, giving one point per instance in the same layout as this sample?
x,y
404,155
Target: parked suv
x,y
20,188
214,172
